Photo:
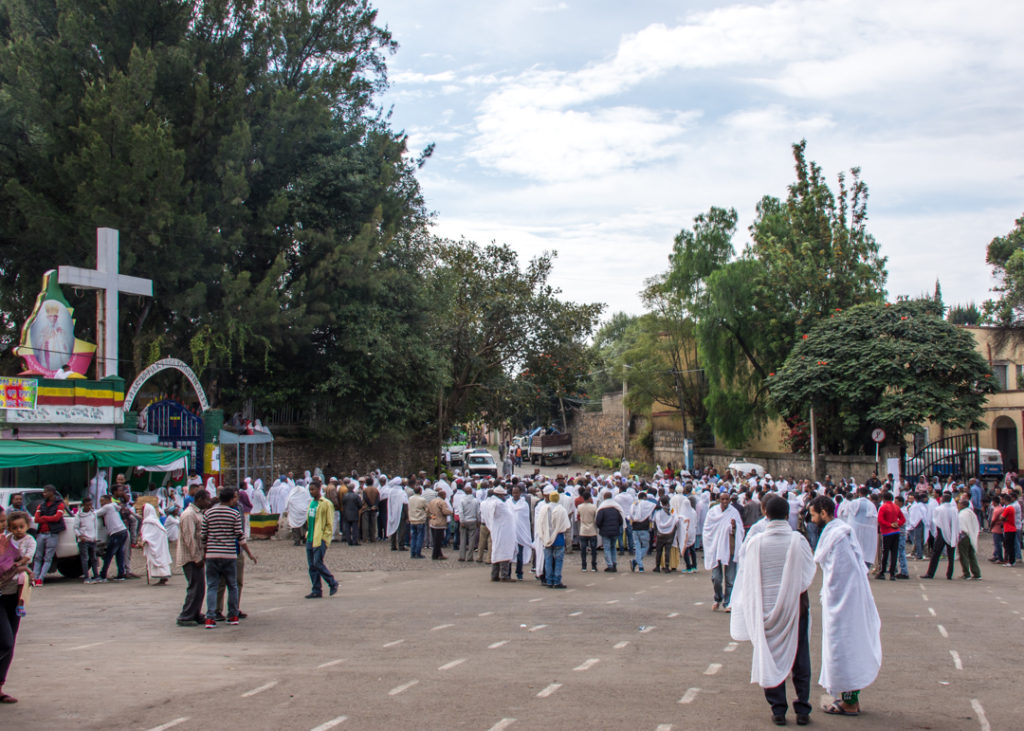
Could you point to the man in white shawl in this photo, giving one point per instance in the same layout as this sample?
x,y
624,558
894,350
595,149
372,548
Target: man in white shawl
x,y
770,610
154,545
520,507
686,536
723,538
947,534
499,521
862,516
552,524
851,644
297,508
967,548
398,511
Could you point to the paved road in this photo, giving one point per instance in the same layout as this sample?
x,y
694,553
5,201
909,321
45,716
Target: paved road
x,y
437,645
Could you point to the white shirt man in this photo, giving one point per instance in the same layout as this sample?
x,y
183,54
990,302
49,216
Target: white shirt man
x,y
770,609
723,539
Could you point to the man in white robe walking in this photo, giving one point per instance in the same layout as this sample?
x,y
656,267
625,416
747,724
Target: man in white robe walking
x,y
723,538
947,535
851,644
770,610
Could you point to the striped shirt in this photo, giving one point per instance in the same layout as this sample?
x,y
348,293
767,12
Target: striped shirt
x,y
222,531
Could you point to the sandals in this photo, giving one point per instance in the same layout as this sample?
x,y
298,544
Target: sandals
x,y
837,710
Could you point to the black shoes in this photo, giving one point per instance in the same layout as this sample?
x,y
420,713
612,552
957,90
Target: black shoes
x,y
314,595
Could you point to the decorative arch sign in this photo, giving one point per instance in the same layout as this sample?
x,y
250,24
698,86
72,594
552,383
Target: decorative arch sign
x,y
163,365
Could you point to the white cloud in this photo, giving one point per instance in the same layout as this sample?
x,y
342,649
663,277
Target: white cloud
x,y
415,77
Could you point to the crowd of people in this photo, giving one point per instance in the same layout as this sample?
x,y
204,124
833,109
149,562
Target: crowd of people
x,y
526,524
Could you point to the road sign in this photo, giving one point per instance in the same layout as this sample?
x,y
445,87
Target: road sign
x,y
878,435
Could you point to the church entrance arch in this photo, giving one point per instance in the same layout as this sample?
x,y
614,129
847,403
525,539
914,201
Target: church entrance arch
x,y
163,365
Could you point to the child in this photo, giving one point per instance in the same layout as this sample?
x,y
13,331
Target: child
x,y
17,527
171,523
86,533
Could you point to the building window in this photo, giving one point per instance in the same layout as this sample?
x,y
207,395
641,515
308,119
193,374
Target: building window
x,y
999,370
1020,377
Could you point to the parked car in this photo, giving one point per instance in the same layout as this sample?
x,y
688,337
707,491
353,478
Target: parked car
x,y
66,560
480,462
457,452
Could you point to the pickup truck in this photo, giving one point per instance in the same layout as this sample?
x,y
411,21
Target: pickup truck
x,y
554,448
66,560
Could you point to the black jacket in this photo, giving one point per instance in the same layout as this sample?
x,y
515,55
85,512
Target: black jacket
x,y
350,504
609,522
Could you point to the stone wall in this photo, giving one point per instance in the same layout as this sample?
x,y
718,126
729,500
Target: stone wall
x,y
597,433
668,447
297,452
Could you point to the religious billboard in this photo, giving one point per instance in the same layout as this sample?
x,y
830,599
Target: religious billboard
x,y
48,343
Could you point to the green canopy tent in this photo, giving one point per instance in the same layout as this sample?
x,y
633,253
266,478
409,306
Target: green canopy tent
x,y
48,455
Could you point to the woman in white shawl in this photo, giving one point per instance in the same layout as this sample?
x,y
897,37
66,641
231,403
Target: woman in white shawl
x,y
686,536
298,509
154,545
259,498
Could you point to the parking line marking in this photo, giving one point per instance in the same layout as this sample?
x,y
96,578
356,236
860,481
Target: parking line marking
x,y
956,660
330,663
441,626
673,615
931,611
976,705
648,628
587,664
549,690
91,644
538,599
537,627
713,668
569,591
664,727
731,647
502,724
402,688
575,614
170,724
592,583
453,663
642,591
689,695
922,586
698,604
392,644
925,597
330,724
485,614
254,691
272,609
620,645
612,601
496,645
942,630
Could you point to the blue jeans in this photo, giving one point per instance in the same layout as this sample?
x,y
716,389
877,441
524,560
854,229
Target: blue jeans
x,y
609,551
628,547
114,544
641,543
216,568
46,547
315,560
1016,547
997,543
519,563
553,556
716,581
901,552
416,533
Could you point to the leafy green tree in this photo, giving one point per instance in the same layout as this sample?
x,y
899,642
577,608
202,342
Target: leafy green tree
x,y
809,255
497,320
969,314
237,148
893,366
1006,257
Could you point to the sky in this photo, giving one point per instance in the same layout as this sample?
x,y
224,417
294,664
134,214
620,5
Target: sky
x,y
598,130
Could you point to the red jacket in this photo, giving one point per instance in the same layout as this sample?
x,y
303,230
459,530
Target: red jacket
x,y
888,514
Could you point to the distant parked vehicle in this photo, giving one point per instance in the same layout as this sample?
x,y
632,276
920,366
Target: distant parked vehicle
x,y
549,446
480,462
745,468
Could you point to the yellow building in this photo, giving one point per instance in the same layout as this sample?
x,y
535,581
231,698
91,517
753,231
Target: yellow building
x,y
1004,411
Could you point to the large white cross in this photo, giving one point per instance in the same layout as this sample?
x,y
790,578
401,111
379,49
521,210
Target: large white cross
x,y
106,279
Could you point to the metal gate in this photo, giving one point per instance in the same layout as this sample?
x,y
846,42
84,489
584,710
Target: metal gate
x,y
176,426
955,456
